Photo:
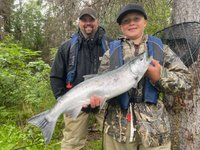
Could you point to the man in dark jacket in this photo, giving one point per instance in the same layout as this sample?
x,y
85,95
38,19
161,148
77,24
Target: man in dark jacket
x,y
80,55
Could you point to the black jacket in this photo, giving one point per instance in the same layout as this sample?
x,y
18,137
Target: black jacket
x,y
88,61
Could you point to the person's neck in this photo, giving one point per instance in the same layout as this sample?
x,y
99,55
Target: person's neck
x,y
137,41
88,36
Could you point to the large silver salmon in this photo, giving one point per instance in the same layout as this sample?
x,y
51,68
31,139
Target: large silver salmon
x,y
107,85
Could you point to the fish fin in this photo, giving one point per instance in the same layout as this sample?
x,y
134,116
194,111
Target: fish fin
x,y
75,112
151,57
46,126
103,103
89,76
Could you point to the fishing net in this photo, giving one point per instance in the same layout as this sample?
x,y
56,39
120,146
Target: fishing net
x,y
183,39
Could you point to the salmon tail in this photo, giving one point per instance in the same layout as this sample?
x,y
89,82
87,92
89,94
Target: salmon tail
x,y
46,126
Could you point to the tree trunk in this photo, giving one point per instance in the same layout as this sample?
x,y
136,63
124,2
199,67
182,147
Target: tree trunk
x,y
185,109
186,11
5,12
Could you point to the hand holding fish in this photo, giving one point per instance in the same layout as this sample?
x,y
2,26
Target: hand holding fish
x,y
153,71
95,101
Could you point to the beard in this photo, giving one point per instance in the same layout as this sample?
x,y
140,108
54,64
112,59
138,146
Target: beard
x,y
88,30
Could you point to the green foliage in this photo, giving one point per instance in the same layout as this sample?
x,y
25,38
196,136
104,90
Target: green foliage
x,y
108,21
53,52
94,145
25,91
29,138
27,24
9,136
159,12
23,76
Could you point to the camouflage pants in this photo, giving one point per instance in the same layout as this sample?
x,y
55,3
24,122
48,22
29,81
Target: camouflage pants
x,y
76,131
111,144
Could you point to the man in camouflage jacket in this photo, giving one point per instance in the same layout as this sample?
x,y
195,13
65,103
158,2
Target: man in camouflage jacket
x,y
142,125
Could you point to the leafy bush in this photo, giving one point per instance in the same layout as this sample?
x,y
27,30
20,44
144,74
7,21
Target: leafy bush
x,y
25,91
24,77
29,138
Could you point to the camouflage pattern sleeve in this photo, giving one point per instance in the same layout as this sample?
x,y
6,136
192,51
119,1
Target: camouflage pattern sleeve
x,y
105,63
175,76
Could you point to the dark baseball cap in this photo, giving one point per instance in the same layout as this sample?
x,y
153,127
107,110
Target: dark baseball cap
x,y
130,8
88,11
